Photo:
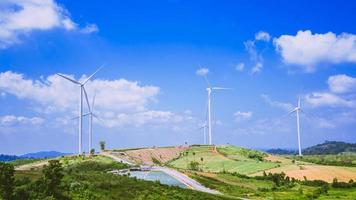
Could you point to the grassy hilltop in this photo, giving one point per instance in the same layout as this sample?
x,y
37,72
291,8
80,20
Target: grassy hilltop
x,y
234,171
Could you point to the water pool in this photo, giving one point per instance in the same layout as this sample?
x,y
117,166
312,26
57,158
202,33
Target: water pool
x,y
157,176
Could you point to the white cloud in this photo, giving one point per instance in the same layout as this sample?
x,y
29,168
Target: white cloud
x,y
90,28
307,50
262,35
118,102
239,115
152,117
56,93
240,67
257,68
285,106
9,120
255,55
342,83
318,99
20,17
202,71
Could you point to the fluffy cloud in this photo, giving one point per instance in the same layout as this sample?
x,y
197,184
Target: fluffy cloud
x,y
342,83
118,102
20,17
202,71
264,36
317,99
306,49
9,120
90,28
239,115
58,94
284,106
255,55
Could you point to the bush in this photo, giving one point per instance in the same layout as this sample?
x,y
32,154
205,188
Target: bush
x,y
193,165
6,181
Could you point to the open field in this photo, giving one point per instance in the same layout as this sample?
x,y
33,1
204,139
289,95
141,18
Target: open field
x,y
150,156
315,172
211,160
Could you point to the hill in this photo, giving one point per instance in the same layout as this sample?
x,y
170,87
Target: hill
x,y
7,158
330,147
281,151
44,154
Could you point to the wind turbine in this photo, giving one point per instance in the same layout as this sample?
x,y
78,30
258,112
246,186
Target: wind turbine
x,y
204,126
210,89
91,115
82,90
297,110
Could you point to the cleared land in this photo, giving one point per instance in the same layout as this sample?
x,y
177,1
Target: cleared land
x,y
151,156
315,172
222,158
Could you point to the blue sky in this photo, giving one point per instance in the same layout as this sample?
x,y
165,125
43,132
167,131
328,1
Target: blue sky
x,y
149,92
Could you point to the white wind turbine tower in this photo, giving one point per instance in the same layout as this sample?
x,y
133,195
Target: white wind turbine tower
x,y
82,90
297,111
210,89
204,126
91,115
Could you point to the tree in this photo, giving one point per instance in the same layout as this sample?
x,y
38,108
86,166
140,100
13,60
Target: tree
x,y
92,151
6,181
102,145
202,163
52,177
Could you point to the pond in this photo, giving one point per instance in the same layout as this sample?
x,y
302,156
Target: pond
x,y
157,176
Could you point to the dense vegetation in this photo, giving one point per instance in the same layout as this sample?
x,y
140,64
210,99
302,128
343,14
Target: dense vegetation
x,y
337,160
330,147
6,158
275,186
281,151
81,178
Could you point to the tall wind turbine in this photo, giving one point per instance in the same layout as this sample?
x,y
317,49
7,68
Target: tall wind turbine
x,y
210,89
82,90
297,111
204,126
91,115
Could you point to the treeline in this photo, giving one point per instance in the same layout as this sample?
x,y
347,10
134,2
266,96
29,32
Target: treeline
x,y
330,147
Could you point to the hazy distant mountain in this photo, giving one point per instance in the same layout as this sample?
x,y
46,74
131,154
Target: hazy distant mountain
x,y
41,154
330,147
44,154
6,158
282,151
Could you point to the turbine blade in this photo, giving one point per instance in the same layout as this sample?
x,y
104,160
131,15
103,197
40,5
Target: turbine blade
x,y
221,88
86,97
292,111
92,75
207,81
86,114
93,102
69,79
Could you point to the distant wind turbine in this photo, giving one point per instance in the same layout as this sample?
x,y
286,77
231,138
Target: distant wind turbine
x,y
297,110
82,90
204,126
210,89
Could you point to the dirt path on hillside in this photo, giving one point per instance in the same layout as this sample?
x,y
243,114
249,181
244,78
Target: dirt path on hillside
x,y
32,165
163,155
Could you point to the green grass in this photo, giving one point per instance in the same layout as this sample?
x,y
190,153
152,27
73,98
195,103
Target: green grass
x,y
25,161
229,159
336,160
251,188
84,179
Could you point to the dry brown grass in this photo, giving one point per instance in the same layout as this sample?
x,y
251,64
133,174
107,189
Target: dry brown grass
x,y
316,172
144,156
